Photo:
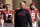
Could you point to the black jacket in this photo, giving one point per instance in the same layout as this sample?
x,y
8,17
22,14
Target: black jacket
x,y
22,18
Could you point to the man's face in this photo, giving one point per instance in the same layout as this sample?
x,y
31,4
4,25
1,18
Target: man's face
x,y
23,5
8,6
1,5
32,6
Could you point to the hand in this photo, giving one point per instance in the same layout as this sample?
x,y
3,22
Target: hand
x,y
33,21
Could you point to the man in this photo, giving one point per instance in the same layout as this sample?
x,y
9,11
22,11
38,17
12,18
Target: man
x,y
34,12
8,14
1,15
22,16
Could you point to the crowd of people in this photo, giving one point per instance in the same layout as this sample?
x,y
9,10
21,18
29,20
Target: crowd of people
x,y
23,15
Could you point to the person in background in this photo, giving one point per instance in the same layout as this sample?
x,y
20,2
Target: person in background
x,y
34,14
8,14
1,15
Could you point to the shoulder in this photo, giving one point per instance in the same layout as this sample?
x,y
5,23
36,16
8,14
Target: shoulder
x,y
36,9
12,10
28,8
4,10
17,9
26,11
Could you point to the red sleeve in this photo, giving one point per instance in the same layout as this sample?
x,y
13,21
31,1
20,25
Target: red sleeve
x,y
37,11
12,11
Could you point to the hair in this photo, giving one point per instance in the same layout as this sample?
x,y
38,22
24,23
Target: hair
x,y
23,2
7,4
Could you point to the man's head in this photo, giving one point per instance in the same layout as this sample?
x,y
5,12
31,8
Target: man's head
x,y
7,6
32,5
23,4
1,5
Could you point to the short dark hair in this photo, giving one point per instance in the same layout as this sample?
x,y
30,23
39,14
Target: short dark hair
x,y
24,2
7,4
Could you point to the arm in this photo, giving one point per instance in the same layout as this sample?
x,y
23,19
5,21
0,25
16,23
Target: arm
x,y
29,19
38,16
13,16
13,19
2,17
32,19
